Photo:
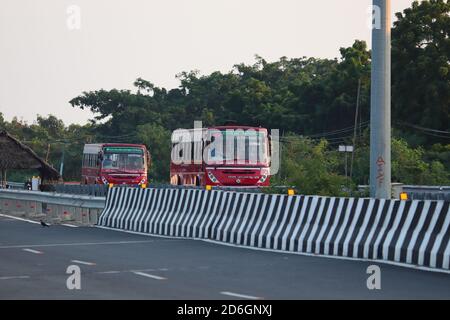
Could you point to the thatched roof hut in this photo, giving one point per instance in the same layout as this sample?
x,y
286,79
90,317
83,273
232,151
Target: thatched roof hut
x,y
14,155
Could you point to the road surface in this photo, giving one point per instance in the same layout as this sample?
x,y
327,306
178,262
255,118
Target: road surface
x,y
118,265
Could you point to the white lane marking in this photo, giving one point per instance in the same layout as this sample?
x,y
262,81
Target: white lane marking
x,y
79,244
83,262
14,277
239,295
247,247
32,251
323,256
124,271
69,225
150,276
140,270
170,238
17,218
32,221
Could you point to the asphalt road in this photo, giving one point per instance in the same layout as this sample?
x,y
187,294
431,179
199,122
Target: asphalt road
x,y
118,265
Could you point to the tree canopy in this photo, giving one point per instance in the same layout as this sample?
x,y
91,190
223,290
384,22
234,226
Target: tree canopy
x,y
312,101
421,71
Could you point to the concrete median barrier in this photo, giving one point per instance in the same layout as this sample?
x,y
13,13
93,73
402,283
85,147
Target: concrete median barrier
x,y
408,232
52,207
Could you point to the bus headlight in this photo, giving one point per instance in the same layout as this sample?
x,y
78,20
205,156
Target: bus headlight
x,y
143,181
263,178
104,180
212,178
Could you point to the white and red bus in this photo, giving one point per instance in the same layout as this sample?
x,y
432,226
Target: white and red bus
x,y
241,159
116,164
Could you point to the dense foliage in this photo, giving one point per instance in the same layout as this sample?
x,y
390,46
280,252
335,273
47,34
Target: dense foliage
x,y
312,101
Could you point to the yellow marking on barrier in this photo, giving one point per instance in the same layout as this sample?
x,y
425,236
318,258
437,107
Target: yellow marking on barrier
x,y
403,196
291,192
208,187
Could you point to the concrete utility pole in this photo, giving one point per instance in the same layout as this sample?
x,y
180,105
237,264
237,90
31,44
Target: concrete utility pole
x,y
380,108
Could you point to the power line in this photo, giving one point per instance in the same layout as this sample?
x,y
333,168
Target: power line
x,y
435,135
329,140
340,131
422,128
82,139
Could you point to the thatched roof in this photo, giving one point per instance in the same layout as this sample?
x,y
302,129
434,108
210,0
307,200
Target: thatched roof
x,y
15,155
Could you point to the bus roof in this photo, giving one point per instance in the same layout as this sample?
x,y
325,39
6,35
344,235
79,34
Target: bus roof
x,y
95,148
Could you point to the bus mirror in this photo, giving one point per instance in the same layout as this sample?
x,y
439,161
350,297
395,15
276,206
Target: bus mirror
x,y
100,159
269,140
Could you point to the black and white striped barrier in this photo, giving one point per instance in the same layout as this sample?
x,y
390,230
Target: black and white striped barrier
x,y
410,232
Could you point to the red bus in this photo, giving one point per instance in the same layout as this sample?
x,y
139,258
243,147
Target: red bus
x,y
115,163
241,159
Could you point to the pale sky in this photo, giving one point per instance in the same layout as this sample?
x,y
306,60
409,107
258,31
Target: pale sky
x,y
44,63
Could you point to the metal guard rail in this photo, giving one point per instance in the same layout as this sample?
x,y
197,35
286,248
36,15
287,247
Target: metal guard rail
x,y
54,198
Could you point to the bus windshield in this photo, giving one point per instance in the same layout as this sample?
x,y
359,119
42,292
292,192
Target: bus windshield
x,y
238,147
123,159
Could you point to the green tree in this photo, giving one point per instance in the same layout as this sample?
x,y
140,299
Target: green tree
x,y
307,96
410,165
158,141
407,164
421,69
52,125
310,167
2,122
